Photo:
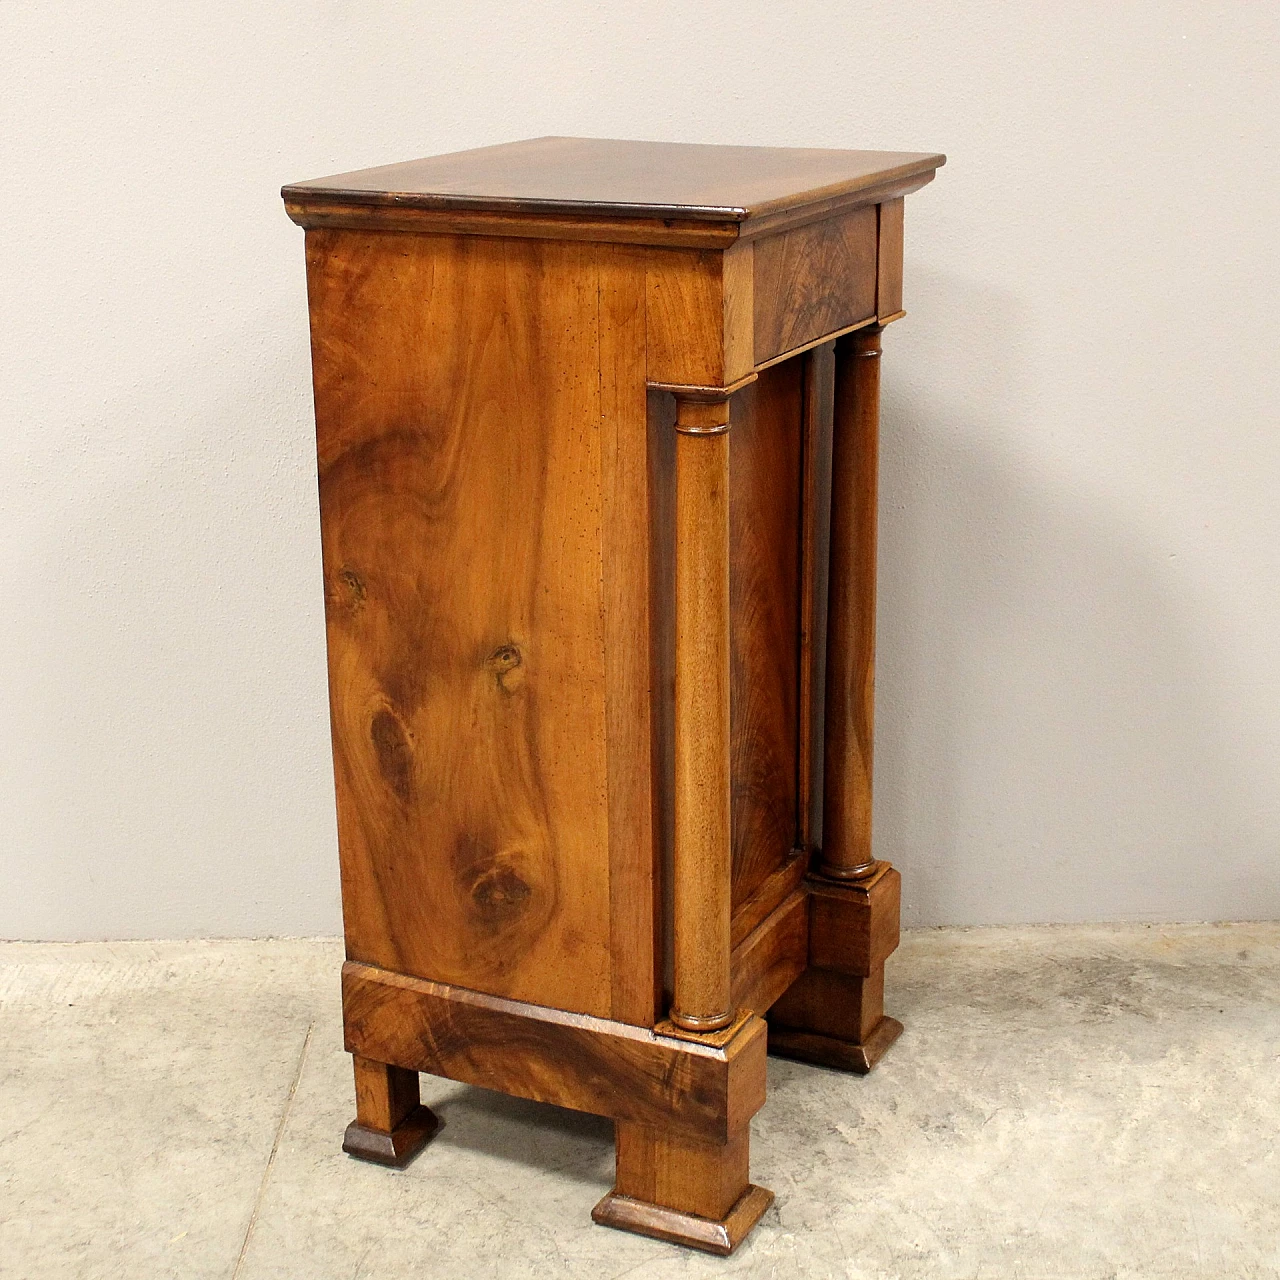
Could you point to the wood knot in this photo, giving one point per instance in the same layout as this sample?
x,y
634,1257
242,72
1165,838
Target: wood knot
x,y
348,591
395,754
498,893
505,663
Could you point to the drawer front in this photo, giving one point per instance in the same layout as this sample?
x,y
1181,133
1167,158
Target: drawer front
x,y
814,280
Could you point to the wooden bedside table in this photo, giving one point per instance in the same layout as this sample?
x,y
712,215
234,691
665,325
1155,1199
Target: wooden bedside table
x,y
597,427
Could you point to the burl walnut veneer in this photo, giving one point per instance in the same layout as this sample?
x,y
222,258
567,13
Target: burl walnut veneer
x,y
597,427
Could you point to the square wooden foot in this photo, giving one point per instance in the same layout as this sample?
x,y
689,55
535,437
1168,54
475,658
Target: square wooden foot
x,y
391,1124
687,1192
714,1235
399,1146
828,1051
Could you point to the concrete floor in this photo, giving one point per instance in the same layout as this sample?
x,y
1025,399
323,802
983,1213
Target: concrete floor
x,y
1066,1102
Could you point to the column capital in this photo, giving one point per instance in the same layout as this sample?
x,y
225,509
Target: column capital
x,y
702,414
702,411
861,342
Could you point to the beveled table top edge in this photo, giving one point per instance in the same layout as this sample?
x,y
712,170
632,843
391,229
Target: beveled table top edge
x,y
340,190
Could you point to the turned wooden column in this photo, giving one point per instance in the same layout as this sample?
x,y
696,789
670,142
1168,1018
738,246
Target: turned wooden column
x,y
701,886
851,618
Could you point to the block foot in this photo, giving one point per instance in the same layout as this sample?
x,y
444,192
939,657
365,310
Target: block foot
x,y
396,1148
713,1235
684,1190
391,1124
833,1014
829,1051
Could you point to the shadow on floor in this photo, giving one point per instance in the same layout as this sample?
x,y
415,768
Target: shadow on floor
x,y
538,1135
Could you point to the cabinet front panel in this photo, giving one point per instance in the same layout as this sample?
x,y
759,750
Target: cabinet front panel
x,y
814,280
458,408
765,443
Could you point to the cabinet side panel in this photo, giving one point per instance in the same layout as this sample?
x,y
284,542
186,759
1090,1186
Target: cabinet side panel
x,y
889,257
458,408
765,450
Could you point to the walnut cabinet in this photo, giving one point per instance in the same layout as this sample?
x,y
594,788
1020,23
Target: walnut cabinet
x,y
597,431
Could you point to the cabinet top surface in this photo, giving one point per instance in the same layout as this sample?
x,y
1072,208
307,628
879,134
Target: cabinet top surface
x,y
640,179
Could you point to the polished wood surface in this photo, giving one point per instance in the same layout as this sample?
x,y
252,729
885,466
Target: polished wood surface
x,y
596,436
691,1193
599,175
889,261
720,1236
701,875
855,931
764,603
851,632
700,317
818,372
391,1124
691,1177
635,814
456,379
814,280
777,887
833,1014
772,956
858,1056
706,1090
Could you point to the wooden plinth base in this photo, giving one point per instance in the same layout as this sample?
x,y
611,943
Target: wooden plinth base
x,y
399,1146
833,1014
828,1051
721,1236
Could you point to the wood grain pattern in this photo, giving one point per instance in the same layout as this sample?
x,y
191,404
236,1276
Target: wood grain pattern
x,y
662,655
634,849
701,874
854,928
391,1124
316,212
814,280
573,1060
692,1177
384,1095
889,258
772,956
737,284
851,628
833,1014
824,1002
779,885
698,334
858,1056
764,583
456,379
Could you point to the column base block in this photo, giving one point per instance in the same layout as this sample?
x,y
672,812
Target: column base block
x,y
720,1236
828,1051
396,1148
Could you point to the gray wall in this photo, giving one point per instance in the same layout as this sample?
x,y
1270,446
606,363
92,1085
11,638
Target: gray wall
x,y
1080,673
